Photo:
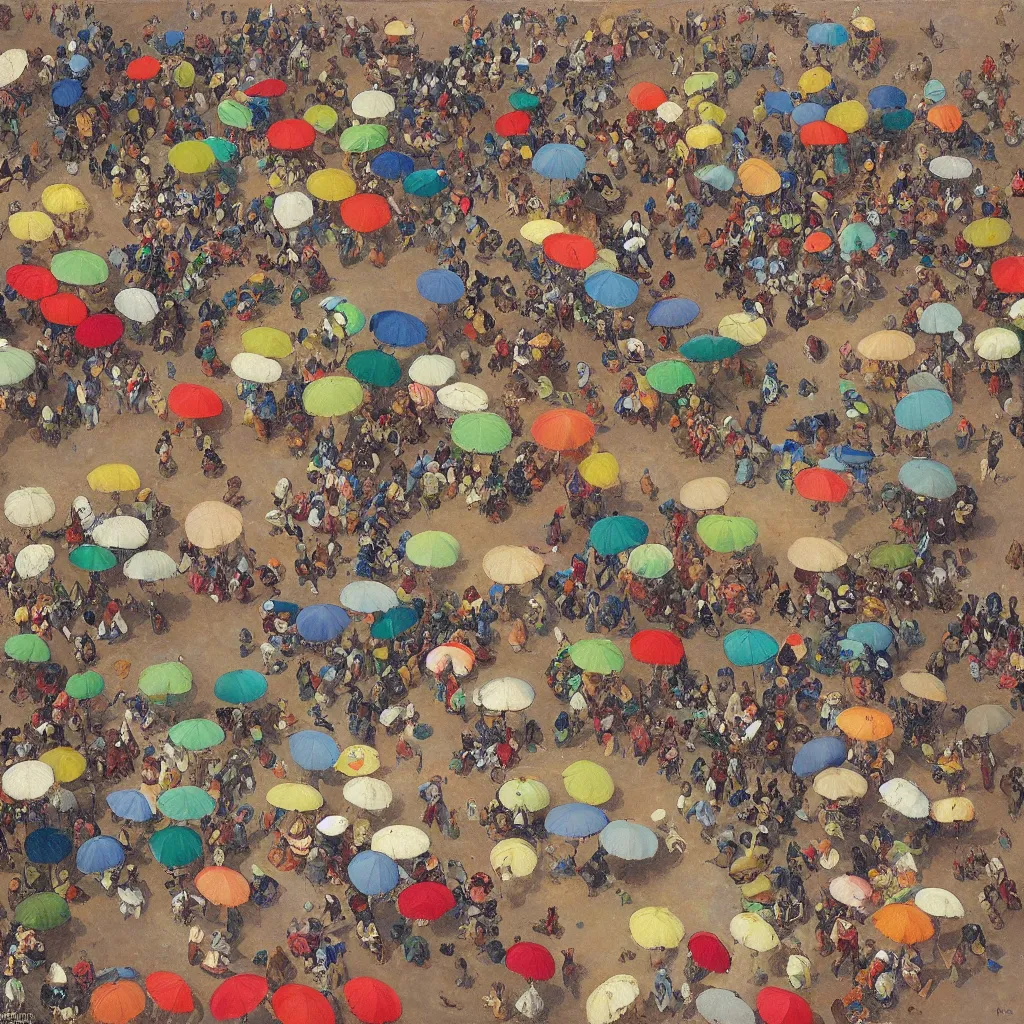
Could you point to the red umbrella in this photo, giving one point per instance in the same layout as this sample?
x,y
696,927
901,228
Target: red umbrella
x,y
1008,274
425,901
572,251
562,430
290,134
142,69
372,1001
32,283
818,241
194,402
365,212
300,1004
709,952
821,133
170,992
267,89
779,1006
516,122
99,330
238,996
531,961
656,647
647,96
64,308
820,485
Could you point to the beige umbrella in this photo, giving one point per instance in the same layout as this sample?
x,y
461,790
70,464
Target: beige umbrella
x,y
398,28
12,66
212,524
987,720
368,793
506,693
816,554
432,370
952,808
127,532
512,564
33,560
705,493
938,903
612,998
463,397
253,367
27,780
840,784
372,104
29,506
400,842
513,858
924,685
753,932
890,346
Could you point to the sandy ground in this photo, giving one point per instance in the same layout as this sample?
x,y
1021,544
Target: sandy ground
x,y
205,634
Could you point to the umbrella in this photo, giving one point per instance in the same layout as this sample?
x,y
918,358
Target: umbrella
x,y
400,330
892,556
117,1002
512,565
332,825
994,343
234,114
746,328
514,858
223,887
331,184
521,100
650,561
66,762
79,267
371,1001
363,138
987,720
866,724
938,903
212,524
921,410
1008,274
150,566
814,80
292,209
256,368
652,927
758,178
668,376
196,734
170,992
903,923
176,846
600,469
47,846
987,232
887,97
856,237
440,286
92,558
368,596
84,685
267,341
365,212
722,1006
780,1006
629,841
64,309
703,136
33,560
268,89
875,635
13,63
394,622
614,534
319,623
368,794
400,842
294,796
373,874
482,432
609,289
752,931
656,647
572,251
15,365
238,996
898,121
130,804
746,647
530,960
28,649
31,226
952,809
186,803
426,183
524,794
778,102
291,134
558,161
705,493
432,370
818,754
357,760
463,397
708,348
588,783
42,912
673,313
506,693
99,330
611,999
575,821
432,549
27,780
537,230
66,93
332,396
114,477
727,533
709,952
191,157
840,784
946,117
891,346
458,656
223,150
827,33
194,402
816,554
372,103
928,478
904,797
562,430
701,81
823,133
243,686
647,96
166,680
99,854
597,655
951,168
516,122
301,1004
391,165
818,484
425,901
31,282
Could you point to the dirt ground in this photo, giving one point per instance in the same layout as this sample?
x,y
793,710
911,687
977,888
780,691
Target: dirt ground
x,y
204,634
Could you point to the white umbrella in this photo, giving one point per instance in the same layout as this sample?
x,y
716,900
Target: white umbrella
x,y
63,800
33,560
431,371
27,780
15,364
612,998
670,111
368,596
368,794
372,103
292,209
127,532
400,842
506,693
12,66
902,796
530,1004
251,366
1017,309
987,720
150,566
939,903
463,397
29,506
137,304
952,168
332,825
722,1006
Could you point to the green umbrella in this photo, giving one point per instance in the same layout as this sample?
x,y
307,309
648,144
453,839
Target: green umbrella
x,y
347,315
373,367
481,432
196,734
523,101
15,365
176,846
84,685
79,267
43,911
615,534
222,149
234,114
242,686
332,396
727,533
362,138
892,556
432,549
598,655
27,648
165,681
186,803
669,376
709,349
650,561
92,558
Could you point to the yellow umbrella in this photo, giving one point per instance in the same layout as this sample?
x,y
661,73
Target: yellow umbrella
x,y
701,136
191,157
952,808
708,111
850,116
331,185
524,794
267,341
611,999
512,564
294,796
656,928
700,82
588,783
30,226
63,198
758,177
746,328
816,554
398,28
66,762
705,493
600,469
987,232
537,230
753,932
322,117
114,477
924,685
185,74
890,346
513,858
863,23
212,524
814,80
357,760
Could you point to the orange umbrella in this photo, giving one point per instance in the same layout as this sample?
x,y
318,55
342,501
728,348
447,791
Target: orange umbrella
x,y
562,430
821,133
170,992
816,484
818,241
904,923
117,1002
647,96
945,117
224,887
865,724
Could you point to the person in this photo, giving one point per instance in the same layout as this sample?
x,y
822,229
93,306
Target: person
x,y
664,994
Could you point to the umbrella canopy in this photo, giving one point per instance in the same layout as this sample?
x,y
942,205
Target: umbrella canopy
x,y
66,762
669,375
521,100
647,96
746,328
952,809
818,484
357,760
1008,274
372,103
840,784
256,368
234,114
746,647
823,133
363,138
191,157
186,803
924,685
612,290
891,556
758,178
818,754
727,533
928,478
463,397
673,313
301,1004
400,842
368,596
99,854
164,681
709,348
816,554
176,846
482,432
904,797
170,992
426,182
514,858
951,168
63,309
368,794
628,840
903,923
99,330
946,117
611,999
432,370
28,649
27,780
196,734
267,341
600,469
506,693
987,720
512,564
705,493
588,783
861,723
371,1001
394,622
781,1006
320,623
331,184
365,213
614,534
875,635
194,402
709,952
722,1006
42,912
530,960
313,750
890,346
373,874
432,549
117,1002
515,122
938,903
827,33
650,561
238,996
994,343
291,134
699,82
597,655
921,410
33,560
92,558
575,821
537,230
212,524
440,286
752,931
656,647
391,165
15,365
66,92
568,250
79,267
653,927
524,794
114,477
130,804
558,161
294,796
31,226
84,685
400,330
425,901
13,63
31,282
332,396
292,209
987,232
222,886
142,69
47,846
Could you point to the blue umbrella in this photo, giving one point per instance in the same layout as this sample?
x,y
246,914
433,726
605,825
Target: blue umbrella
x,y
425,183
875,635
320,623
615,534
314,751
887,97
779,102
394,622
392,165
398,329
807,113
66,92
934,91
172,37
78,64
615,291
129,804
923,409
575,821
242,686
99,854
47,846
928,478
746,647
819,754
559,161
628,840
673,313
372,873
852,456
856,237
827,33
440,286
940,318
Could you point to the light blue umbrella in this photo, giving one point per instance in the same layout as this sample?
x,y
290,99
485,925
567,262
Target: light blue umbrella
x,y
921,410
850,649
717,176
425,183
934,91
928,478
372,873
887,97
940,318
808,113
614,291
778,102
856,237
818,754
368,596
314,751
559,162
827,33
877,635
320,623
99,854
440,286
575,821
673,312
397,329
746,647
129,804
78,64
628,840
